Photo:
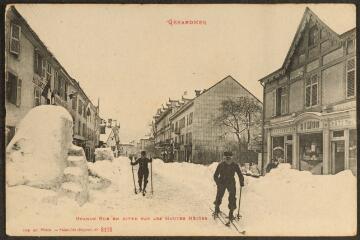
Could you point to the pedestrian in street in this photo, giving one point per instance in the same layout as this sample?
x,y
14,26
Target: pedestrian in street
x,y
143,172
224,177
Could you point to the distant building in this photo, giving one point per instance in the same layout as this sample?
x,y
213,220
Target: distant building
x,y
33,76
128,149
185,129
310,102
145,142
109,137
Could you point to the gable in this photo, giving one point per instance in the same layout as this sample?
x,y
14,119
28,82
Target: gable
x,y
311,36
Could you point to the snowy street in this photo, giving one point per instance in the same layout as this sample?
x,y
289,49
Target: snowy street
x,y
304,204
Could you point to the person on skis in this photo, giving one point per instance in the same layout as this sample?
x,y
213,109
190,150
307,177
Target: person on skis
x,y
224,177
143,172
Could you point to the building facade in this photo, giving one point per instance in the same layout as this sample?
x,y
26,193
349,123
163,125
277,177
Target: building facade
x,y
109,136
310,102
35,77
194,136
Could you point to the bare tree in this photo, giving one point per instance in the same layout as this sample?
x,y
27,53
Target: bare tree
x,y
240,116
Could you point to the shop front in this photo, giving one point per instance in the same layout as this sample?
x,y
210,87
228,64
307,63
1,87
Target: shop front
x,y
315,142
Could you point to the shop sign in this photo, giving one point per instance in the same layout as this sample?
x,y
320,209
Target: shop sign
x,y
309,125
282,130
341,123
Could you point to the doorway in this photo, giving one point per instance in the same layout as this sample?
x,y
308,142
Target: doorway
x,y
338,156
288,153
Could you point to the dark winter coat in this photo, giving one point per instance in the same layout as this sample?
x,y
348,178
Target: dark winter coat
x,y
225,173
143,164
270,166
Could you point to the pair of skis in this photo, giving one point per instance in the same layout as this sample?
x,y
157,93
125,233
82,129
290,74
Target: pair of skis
x,y
143,192
227,221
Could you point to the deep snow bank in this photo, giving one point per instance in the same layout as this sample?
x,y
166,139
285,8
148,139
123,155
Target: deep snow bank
x,y
284,202
36,156
103,154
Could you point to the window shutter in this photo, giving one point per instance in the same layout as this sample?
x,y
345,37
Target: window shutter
x,y
18,92
8,87
13,88
273,93
43,69
15,39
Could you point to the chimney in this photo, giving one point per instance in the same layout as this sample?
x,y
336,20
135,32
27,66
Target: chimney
x,y
197,93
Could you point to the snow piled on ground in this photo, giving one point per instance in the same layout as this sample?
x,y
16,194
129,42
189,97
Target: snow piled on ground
x,y
284,202
103,154
36,156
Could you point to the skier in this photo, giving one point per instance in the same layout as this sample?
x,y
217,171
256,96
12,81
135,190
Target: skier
x,y
143,172
224,178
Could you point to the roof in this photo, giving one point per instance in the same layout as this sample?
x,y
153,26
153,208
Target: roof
x,y
188,104
306,16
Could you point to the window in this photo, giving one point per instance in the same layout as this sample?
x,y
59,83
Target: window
x,y
84,130
350,78
48,72
313,36
323,33
311,91
15,39
43,69
74,100
37,96
80,107
65,90
56,82
13,89
79,128
182,123
280,101
302,58
190,118
38,63
350,45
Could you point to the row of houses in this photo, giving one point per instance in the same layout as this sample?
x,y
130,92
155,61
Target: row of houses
x,y
309,108
33,76
185,129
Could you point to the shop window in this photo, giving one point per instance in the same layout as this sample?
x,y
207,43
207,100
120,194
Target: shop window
x,y
311,91
278,149
37,96
13,89
353,151
311,152
15,39
350,78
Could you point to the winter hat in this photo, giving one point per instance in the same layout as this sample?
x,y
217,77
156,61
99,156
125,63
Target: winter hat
x,y
228,154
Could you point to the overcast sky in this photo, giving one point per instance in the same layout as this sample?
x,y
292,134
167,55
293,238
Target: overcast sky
x,y
133,60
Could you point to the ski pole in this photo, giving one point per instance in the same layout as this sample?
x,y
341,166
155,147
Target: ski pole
x,y
238,214
152,191
132,170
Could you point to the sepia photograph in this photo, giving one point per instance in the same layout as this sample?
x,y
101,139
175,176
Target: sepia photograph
x,y
180,120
